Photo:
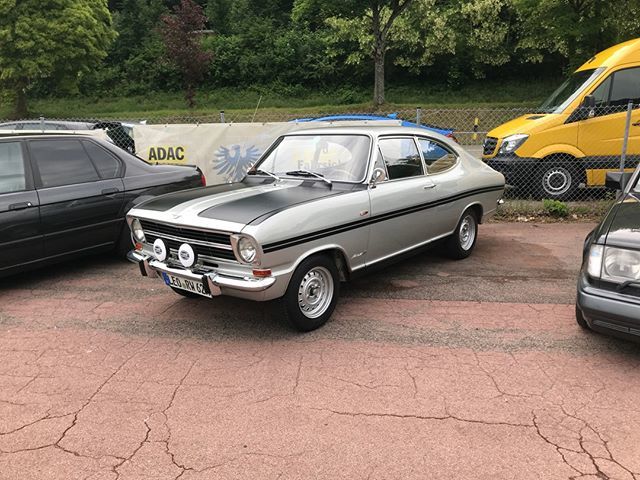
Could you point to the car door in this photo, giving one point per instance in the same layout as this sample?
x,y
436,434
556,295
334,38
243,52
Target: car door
x,y
20,234
79,209
443,168
398,204
600,137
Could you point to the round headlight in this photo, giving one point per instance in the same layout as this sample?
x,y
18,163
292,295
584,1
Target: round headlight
x,y
186,255
247,250
136,228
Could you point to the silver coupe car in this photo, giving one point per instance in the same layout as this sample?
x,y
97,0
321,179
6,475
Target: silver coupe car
x,y
318,207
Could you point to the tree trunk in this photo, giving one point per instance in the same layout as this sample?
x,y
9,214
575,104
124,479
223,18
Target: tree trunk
x,y
20,111
378,83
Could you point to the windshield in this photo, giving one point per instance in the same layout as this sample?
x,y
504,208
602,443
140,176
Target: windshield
x,y
569,90
341,158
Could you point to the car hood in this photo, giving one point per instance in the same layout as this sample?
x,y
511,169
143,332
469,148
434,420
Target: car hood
x,y
527,124
624,223
246,203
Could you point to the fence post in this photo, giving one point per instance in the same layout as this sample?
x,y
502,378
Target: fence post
x,y
418,115
222,116
625,142
41,123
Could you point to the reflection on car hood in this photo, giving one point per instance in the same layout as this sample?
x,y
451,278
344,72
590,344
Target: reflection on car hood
x,y
624,230
248,202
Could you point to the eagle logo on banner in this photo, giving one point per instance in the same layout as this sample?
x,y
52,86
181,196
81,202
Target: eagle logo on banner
x,y
232,163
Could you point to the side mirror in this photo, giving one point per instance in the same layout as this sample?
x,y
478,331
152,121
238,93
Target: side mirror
x,y
617,180
377,176
589,101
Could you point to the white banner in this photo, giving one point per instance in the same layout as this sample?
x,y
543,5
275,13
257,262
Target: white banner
x,y
223,151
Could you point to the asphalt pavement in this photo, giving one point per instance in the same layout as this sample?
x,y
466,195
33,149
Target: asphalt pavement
x,y
429,368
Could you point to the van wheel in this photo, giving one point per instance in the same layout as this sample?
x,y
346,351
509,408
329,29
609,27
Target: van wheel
x,y
460,244
312,293
559,180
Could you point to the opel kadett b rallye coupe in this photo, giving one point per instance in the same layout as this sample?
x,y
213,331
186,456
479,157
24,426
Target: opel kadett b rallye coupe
x,y
318,206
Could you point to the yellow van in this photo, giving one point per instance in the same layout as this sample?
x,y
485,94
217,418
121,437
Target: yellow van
x,y
576,136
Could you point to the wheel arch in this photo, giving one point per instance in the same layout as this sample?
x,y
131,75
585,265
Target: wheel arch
x,y
336,253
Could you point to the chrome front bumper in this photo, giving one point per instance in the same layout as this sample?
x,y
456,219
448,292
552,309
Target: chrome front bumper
x,y
218,284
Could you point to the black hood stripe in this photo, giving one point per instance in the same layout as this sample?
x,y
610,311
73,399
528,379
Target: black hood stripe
x,y
170,200
290,242
255,209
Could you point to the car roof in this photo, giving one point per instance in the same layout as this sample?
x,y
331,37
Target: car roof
x,y
369,130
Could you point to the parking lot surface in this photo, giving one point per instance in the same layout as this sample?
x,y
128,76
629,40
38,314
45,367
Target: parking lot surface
x,y
429,369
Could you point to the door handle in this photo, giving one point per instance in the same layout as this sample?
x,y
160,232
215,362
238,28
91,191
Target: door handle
x,y
20,206
429,187
110,191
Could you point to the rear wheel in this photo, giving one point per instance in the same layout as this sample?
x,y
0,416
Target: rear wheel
x,y
463,240
312,293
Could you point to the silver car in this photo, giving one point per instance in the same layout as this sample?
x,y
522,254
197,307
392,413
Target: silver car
x,y
319,206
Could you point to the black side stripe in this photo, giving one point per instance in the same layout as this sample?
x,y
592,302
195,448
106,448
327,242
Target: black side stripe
x,y
291,242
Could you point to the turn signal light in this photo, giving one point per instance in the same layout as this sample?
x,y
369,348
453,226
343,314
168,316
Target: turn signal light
x,y
138,246
261,272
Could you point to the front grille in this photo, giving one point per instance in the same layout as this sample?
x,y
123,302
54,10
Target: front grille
x,y
209,244
489,146
161,228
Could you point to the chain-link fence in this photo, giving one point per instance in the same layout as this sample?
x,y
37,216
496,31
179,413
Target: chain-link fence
x,y
556,155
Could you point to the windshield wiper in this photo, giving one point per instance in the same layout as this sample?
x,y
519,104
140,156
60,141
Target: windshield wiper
x,y
307,173
263,172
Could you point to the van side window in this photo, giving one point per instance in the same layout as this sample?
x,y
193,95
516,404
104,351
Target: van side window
x,y
626,86
601,94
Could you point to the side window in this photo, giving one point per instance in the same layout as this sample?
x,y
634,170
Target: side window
x,y
626,86
62,162
401,158
107,165
437,157
12,173
379,163
601,94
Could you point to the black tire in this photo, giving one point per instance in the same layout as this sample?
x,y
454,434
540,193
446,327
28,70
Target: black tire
x,y
458,245
580,320
125,243
186,293
303,309
559,179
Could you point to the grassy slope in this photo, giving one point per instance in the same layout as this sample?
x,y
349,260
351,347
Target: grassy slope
x,y
239,105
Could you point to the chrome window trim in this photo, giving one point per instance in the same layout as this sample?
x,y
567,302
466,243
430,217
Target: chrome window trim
x,y
446,147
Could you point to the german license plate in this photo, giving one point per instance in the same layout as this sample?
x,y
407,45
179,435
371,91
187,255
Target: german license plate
x,y
185,284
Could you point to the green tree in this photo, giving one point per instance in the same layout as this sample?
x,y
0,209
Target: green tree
x,y
366,25
53,40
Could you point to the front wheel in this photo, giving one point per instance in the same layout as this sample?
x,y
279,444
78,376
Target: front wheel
x,y
312,293
559,181
461,243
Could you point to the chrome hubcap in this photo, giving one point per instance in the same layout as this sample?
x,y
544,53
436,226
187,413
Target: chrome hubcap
x,y
556,181
315,292
467,232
